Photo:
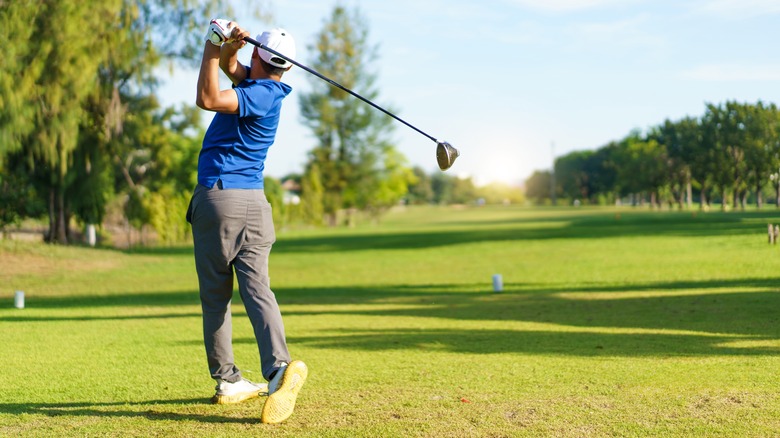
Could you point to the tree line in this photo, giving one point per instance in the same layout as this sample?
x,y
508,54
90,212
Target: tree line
x,y
84,139
728,156
80,125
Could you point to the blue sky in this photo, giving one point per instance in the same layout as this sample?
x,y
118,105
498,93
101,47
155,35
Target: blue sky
x,y
512,82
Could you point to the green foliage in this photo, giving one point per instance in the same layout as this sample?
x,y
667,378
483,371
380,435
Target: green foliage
x,y
157,161
389,187
166,210
18,198
643,166
19,75
442,186
463,190
420,190
733,150
68,96
573,174
538,185
312,195
275,195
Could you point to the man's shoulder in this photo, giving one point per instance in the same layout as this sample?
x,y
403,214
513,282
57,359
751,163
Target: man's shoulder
x,y
267,84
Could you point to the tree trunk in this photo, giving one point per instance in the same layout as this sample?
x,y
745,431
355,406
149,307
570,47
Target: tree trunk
x,y
759,196
50,233
58,217
777,196
680,199
350,220
723,199
62,224
91,235
689,193
702,198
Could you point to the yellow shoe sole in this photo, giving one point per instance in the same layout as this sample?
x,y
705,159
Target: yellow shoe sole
x,y
237,398
280,405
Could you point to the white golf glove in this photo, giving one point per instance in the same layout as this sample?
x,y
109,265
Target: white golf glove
x,y
219,31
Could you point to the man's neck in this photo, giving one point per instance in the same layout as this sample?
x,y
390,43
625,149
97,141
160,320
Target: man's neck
x,y
257,72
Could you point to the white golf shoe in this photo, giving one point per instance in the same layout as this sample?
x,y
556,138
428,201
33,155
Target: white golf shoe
x,y
228,393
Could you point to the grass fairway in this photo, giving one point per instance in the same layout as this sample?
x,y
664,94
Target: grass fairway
x,y
611,323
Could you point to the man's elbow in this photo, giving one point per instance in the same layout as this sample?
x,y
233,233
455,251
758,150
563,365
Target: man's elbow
x,y
202,102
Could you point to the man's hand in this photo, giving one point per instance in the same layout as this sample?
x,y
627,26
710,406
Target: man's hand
x,y
219,31
236,37
228,56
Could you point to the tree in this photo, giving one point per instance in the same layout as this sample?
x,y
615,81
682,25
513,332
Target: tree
x,y
762,145
156,165
572,174
683,143
443,187
19,75
538,186
463,191
354,157
726,156
62,66
390,187
643,167
18,198
420,191
312,194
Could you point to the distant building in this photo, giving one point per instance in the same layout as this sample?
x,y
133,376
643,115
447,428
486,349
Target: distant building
x,y
291,192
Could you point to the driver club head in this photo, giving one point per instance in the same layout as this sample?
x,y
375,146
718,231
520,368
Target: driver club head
x,y
445,154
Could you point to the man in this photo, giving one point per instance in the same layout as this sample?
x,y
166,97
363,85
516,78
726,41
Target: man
x,y
231,219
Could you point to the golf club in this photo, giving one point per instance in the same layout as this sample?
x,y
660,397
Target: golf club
x,y
445,153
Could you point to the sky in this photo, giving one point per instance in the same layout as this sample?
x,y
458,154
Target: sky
x,y
514,83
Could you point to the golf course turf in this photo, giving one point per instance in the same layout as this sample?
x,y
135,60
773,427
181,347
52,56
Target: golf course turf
x,y
611,322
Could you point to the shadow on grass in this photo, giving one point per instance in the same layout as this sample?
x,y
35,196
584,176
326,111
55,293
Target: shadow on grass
x,y
575,228
564,343
146,299
151,410
685,306
108,317
565,224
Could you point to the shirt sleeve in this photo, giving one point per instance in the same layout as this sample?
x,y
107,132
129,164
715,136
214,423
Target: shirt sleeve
x,y
254,100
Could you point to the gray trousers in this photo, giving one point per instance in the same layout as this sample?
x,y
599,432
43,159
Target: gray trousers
x,y
234,230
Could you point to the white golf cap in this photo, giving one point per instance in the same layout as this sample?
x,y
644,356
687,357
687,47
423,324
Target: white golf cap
x,y
279,40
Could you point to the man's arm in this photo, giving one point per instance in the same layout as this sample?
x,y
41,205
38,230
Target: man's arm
x,y
228,57
209,96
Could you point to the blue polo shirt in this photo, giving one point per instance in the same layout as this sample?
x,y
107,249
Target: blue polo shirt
x,y
235,145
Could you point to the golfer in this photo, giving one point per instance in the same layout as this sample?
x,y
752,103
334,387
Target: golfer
x,y
232,227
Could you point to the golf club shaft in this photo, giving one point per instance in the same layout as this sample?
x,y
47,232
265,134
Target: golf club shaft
x,y
335,84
